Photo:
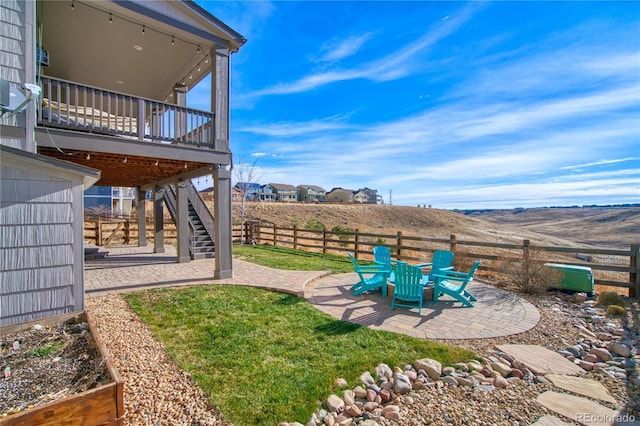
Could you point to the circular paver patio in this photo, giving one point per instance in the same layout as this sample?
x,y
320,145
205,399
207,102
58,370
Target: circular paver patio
x,y
496,313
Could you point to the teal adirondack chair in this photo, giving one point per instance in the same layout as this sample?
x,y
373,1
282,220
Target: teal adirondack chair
x,y
409,287
442,261
372,277
445,284
382,257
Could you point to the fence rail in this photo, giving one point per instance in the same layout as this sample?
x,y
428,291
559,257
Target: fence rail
x,y
612,267
103,232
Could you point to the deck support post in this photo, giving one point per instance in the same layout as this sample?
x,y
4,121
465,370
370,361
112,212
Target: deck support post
x,y
182,225
222,215
180,119
158,220
142,217
220,86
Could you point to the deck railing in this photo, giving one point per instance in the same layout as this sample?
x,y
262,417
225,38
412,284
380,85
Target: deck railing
x,y
79,107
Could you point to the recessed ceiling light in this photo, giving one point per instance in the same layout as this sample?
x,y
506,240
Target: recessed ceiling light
x,y
137,47
119,81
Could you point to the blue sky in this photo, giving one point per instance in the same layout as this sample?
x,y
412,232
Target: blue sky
x,y
448,104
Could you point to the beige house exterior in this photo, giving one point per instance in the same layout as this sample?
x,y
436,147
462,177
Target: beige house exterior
x,y
340,195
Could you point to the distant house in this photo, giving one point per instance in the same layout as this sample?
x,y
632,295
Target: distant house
x,y
250,189
340,195
207,194
236,194
360,197
311,194
110,200
266,193
372,195
285,192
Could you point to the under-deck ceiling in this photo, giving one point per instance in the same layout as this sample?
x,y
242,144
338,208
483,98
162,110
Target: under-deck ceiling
x,y
121,170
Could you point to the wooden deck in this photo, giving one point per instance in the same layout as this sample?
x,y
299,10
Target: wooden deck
x,y
132,140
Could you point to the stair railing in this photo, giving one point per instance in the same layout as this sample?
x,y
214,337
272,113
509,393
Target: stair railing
x,y
205,215
170,201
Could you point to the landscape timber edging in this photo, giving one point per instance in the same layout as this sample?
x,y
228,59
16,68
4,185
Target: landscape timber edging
x,y
102,405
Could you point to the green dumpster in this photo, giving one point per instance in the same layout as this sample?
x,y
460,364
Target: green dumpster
x,y
574,278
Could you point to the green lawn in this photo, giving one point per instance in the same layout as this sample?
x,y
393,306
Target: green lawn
x,y
264,357
291,259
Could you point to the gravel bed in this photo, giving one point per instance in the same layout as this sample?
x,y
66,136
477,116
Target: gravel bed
x,y
157,392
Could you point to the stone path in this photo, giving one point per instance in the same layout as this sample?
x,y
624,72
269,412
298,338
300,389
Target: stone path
x,y
581,410
581,386
541,360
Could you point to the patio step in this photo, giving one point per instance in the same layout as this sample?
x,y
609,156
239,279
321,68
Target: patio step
x,y
92,252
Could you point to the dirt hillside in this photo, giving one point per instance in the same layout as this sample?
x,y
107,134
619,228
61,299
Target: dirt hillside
x,y
598,226
429,222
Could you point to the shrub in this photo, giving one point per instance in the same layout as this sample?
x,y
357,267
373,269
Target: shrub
x,y
314,225
463,261
530,275
344,238
610,298
615,310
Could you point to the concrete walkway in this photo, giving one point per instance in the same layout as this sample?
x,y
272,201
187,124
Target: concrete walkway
x,y
497,312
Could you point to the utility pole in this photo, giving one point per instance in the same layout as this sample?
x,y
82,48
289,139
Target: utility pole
x,y
390,200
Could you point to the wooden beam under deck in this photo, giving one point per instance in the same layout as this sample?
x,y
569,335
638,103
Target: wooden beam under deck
x,y
129,163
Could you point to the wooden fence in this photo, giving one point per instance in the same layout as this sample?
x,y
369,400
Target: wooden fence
x,y
611,267
105,232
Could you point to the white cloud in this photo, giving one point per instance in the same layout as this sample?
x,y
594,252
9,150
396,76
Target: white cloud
x,y
536,193
336,50
392,66
601,162
292,129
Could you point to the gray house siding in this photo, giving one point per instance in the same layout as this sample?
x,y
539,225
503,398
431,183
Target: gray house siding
x,y
41,248
12,40
17,43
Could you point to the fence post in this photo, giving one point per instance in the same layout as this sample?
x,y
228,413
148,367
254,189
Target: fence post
x,y
98,232
275,228
127,226
452,243
634,276
356,242
525,250
295,237
398,244
324,240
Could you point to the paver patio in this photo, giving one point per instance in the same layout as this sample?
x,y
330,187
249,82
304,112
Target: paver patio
x,y
496,313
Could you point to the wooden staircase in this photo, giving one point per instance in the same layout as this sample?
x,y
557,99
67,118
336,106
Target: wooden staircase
x,y
201,242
